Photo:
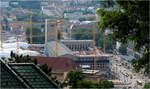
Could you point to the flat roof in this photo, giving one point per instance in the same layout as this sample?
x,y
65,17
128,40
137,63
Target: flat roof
x,y
101,55
76,40
90,71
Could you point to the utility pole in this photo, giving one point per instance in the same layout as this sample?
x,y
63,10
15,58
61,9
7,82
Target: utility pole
x,y
24,27
61,25
1,36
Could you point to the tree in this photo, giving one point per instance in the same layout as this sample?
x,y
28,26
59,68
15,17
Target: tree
x,y
147,85
106,84
27,59
86,84
46,69
73,77
28,5
21,59
35,31
87,34
129,22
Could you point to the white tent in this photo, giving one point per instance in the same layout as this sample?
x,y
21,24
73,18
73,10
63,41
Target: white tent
x,y
12,46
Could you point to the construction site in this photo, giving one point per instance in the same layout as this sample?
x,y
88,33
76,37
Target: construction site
x,y
84,52
55,40
65,35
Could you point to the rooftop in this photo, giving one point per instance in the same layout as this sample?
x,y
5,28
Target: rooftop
x,y
76,40
59,64
24,75
62,49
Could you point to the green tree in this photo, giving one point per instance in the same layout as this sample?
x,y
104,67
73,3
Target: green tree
x,y
73,77
86,84
30,4
106,84
87,34
46,69
129,22
147,85
35,31
27,59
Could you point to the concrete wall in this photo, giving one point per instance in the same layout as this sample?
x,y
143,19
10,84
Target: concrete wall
x,y
78,45
102,63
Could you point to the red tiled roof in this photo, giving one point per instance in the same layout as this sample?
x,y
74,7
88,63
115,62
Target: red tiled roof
x,y
58,64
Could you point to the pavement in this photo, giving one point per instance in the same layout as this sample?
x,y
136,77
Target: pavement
x,y
123,70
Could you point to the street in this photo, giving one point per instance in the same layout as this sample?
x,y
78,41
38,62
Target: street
x,y
123,70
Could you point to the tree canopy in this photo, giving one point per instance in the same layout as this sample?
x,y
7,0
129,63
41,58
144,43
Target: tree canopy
x,y
147,85
86,34
35,31
75,79
129,22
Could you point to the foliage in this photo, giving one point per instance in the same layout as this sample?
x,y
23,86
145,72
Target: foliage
x,y
147,85
28,5
37,16
26,59
106,84
86,84
86,19
35,31
129,22
75,78
83,34
20,58
107,4
46,69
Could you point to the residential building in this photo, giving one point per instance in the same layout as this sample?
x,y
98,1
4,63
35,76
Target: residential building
x,y
24,76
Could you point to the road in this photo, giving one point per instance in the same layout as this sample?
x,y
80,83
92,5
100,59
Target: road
x,y
123,70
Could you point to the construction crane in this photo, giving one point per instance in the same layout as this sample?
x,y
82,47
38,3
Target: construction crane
x,y
104,42
24,27
56,49
1,36
25,36
30,12
94,30
61,19
17,44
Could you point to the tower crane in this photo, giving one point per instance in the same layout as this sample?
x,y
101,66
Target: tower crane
x,y
94,31
61,19
30,12
56,49
1,36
